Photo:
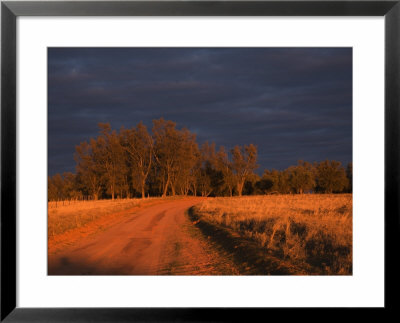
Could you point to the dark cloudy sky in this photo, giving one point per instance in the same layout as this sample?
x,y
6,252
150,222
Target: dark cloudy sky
x,y
293,103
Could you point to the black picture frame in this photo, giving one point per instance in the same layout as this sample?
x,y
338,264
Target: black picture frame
x,y
10,10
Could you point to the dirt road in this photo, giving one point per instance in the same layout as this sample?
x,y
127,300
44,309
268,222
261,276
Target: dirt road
x,y
158,240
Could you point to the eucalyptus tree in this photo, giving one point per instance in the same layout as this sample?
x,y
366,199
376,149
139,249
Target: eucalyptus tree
x,y
301,177
331,176
139,145
111,157
225,166
244,162
89,173
174,152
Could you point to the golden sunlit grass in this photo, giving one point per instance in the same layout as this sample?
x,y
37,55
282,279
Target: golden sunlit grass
x,y
312,231
71,215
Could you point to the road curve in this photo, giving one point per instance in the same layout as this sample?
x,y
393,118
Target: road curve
x,y
158,240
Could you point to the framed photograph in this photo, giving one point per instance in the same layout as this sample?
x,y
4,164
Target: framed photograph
x,y
193,160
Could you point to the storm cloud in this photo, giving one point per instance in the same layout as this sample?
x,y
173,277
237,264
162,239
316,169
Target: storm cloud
x,y
293,103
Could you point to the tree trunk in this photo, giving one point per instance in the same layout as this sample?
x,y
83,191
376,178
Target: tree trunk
x,y
173,189
240,188
143,194
166,187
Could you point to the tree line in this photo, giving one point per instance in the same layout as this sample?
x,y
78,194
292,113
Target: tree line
x,y
168,161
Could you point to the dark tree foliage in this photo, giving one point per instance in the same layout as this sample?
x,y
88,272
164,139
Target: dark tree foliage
x,y
324,177
330,177
301,177
264,185
168,161
349,175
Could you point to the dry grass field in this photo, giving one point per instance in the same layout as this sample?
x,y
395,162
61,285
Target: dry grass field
x,y
311,231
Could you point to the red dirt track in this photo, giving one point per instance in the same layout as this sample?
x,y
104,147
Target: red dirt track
x,y
156,240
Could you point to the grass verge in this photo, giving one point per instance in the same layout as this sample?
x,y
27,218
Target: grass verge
x,y
311,233
248,257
